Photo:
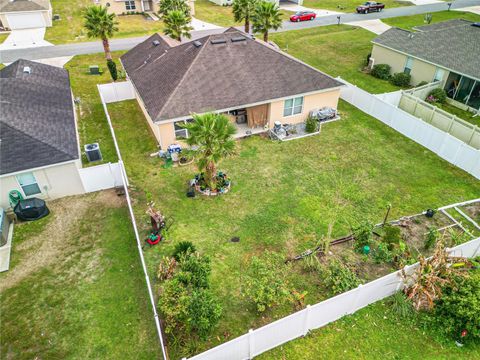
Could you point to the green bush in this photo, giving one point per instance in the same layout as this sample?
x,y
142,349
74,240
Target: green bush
x,y
381,71
339,277
195,270
183,247
173,303
421,83
437,95
203,312
311,124
363,235
458,308
265,281
391,235
382,254
400,305
431,238
401,79
112,67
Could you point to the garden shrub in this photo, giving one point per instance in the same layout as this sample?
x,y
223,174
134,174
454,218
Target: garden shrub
x,y
391,234
183,247
458,237
311,124
195,270
166,268
339,277
112,67
431,238
400,306
363,234
422,83
174,303
381,71
203,312
458,307
401,79
437,96
382,254
266,281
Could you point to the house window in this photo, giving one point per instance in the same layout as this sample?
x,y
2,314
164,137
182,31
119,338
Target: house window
x,y
181,133
408,65
439,73
28,184
293,106
130,5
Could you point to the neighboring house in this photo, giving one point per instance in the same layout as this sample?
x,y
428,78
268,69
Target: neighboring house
x,y
230,2
447,51
231,73
25,14
123,7
39,148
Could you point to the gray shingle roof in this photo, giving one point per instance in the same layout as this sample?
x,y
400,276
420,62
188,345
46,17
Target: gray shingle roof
x,y
37,126
23,5
453,44
177,81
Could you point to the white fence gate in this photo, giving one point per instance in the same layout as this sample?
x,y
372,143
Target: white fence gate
x,y
101,177
117,91
313,317
441,143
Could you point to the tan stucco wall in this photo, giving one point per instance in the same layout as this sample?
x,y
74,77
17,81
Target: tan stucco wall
x,y
61,180
47,15
310,102
421,70
118,7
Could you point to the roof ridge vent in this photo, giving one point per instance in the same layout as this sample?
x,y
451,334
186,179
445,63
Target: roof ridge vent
x,y
27,70
197,43
238,38
218,41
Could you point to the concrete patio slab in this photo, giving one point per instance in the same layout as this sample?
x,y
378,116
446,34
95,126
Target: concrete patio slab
x,y
472,9
25,38
376,26
203,25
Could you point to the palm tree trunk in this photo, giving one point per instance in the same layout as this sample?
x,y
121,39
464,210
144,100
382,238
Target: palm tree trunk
x,y
106,49
265,36
247,25
211,174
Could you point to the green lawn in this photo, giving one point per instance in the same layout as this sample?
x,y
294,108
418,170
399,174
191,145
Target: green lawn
x,y
284,196
462,114
348,5
408,22
92,124
75,288
70,26
337,50
208,11
372,333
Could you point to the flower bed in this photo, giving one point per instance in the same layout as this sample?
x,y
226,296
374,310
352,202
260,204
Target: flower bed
x,y
223,184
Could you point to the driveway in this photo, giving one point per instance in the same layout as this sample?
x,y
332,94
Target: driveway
x,y
472,9
25,38
295,8
376,26
202,25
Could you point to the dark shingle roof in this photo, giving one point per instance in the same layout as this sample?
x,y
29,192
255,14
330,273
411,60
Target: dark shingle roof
x,y
23,5
37,123
201,76
453,44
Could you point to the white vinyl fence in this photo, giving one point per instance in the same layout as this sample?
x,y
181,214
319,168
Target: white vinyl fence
x,y
117,91
440,142
260,340
101,177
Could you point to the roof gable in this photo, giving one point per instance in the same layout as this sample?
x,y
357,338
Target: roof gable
x,y
23,5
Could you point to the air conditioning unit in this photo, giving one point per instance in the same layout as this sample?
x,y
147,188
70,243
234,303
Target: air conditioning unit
x,y
93,153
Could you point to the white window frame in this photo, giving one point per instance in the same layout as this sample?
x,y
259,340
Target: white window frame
x,y
437,71
408,69
130,5
22,184
183,131
293,109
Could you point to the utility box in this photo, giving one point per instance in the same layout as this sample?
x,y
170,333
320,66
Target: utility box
x,y
94,70
93,153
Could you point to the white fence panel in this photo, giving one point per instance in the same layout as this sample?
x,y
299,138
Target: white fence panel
x,y
377,290
392,98
450,148
466,158
117,91
332,309
469,249
101,177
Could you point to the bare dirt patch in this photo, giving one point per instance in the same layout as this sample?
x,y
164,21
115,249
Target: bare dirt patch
x,y
52,244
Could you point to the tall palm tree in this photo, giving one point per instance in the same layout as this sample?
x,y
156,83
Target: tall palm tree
x,y
100,24
177,24
168,5
243,11
266,17
213,134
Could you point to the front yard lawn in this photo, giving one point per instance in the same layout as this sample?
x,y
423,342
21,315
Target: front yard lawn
x,y
337,50
210,12
75,288
408,22
70,26
284,197
348,5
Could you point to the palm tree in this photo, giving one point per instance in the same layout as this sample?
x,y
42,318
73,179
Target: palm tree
x,y
100,24
168,5
266,17
177,24
213,134
243,11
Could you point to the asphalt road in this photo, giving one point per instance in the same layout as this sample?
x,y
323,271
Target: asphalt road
x,y
7,56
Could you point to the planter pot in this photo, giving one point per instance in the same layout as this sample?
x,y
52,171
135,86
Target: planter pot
x,y
188,162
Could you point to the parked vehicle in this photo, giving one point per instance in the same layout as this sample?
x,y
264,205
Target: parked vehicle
x,y
303,16
370,6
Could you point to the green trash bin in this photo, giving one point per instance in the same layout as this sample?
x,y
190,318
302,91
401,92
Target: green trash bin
x,y
168,162
14,197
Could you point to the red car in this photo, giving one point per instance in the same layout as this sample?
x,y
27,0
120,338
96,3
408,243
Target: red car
x,y
303,16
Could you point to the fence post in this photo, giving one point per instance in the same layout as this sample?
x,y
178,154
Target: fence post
x,y
251,343
355,301
432,115
306,322
451,124
474,130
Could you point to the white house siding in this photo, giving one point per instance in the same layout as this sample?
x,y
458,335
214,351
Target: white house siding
x,y
55,182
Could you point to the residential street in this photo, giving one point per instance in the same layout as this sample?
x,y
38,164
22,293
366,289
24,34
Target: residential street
x,y
8,56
